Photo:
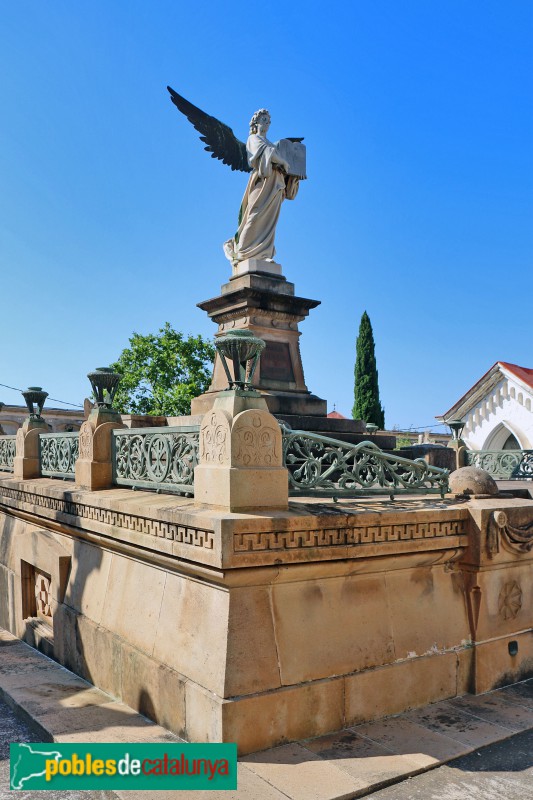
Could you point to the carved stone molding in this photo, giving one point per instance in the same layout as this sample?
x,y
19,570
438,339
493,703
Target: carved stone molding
x,y
86,441
516,538
43,595
339,537
227,320
215,439
21,434
185,535
255,441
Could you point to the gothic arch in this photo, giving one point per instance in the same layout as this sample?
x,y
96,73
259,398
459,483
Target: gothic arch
x,y
497,437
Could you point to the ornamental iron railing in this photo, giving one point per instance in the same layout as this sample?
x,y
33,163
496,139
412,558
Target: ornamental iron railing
x,y
327,467
164,459
503,464
7,452
58,453
156,458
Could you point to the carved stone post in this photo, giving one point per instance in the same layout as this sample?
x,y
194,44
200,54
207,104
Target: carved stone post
x,y
456,443
94,467
241,461
26,463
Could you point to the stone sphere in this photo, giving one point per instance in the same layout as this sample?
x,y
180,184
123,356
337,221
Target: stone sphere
x,y
472,480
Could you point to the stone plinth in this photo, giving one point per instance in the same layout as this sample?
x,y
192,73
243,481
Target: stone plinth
x,y
26,463
94,466
241,455
265,304
265,627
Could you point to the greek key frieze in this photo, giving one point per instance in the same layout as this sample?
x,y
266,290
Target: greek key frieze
x,y
341,537
116,519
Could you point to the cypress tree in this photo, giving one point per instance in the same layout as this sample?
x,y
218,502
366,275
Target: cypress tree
x,y
367,406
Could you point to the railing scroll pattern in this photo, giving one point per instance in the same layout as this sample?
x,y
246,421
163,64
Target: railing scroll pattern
x,y
327,467
503,464
7,452
156,458
58,453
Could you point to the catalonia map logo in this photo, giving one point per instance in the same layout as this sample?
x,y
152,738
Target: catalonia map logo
x,y
123,766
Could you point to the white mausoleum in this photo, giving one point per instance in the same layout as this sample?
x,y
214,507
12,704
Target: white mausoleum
x,y
497,410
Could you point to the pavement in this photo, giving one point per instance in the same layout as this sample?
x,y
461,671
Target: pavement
x,y
47,702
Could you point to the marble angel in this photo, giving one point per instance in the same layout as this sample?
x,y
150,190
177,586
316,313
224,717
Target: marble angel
x,y
275,172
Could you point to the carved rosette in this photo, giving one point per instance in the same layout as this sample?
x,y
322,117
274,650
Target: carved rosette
x,y
510,600
43,595
255,440
215,439
86,441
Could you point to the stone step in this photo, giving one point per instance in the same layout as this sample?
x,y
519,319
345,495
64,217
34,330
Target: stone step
x,y
61,707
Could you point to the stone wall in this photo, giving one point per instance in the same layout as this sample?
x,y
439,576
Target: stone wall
x,y
267,627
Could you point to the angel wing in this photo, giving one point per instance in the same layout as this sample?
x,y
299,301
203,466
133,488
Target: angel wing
x,y
220,140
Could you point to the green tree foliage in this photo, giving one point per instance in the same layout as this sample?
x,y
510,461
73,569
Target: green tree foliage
x,y
162,372
367,406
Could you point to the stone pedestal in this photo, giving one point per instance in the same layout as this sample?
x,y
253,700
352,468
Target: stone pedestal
x,y
241,465
94,467
26,463
262,628
265,303
459,448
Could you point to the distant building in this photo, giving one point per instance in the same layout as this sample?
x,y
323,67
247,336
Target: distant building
x,y
497,409
12,417
406,437
335,415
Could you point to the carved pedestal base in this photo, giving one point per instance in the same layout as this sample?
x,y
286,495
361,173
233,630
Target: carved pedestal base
x,y
256,265
241,464
266,305
94,467
26,463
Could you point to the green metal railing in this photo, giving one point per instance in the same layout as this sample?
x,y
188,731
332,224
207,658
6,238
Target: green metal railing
x,y
327,467
7,452
156,458
164,459
503,464
58,453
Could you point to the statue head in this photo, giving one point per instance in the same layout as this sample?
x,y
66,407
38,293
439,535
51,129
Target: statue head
x,y
263,112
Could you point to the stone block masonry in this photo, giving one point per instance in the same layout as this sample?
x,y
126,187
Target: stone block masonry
x,y
267,627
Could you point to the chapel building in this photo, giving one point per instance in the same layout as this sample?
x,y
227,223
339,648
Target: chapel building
x,y
497,410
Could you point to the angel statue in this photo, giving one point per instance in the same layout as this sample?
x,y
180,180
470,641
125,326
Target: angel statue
x,y
275,172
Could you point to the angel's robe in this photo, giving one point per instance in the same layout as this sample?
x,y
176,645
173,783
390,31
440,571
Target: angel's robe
x,y
267,188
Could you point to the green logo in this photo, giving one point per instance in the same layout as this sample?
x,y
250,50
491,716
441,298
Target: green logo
x,y
123,766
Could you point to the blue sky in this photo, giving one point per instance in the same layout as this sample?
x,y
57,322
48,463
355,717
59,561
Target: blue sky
x,y
418,121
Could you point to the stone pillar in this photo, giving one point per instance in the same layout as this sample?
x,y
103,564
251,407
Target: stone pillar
x,y
26,463
94,467
241,459
265,304
458,446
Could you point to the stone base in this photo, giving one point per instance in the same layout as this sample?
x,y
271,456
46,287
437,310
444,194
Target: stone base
x,y
256,265
239,489
278,403
25,468
264,303
94,475
263,628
